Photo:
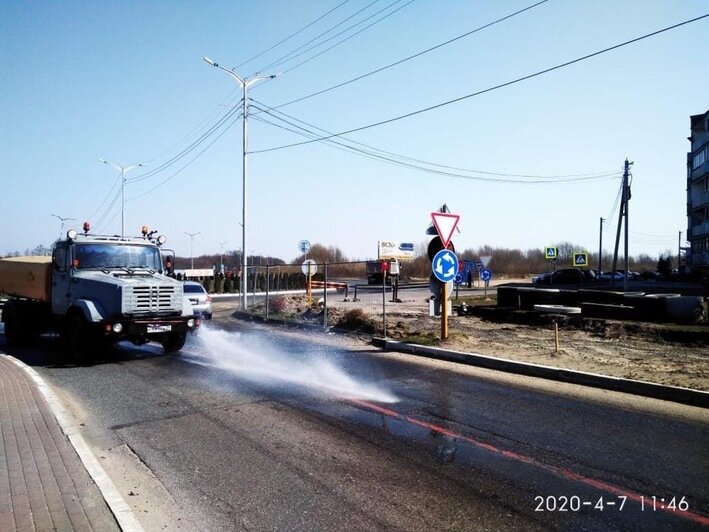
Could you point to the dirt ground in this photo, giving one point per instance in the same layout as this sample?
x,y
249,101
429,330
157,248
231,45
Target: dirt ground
x,y
611,351
619,349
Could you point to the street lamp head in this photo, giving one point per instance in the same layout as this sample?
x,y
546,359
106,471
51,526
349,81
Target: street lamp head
x,y
208,60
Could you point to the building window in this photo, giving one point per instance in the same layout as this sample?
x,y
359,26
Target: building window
x,y
698,159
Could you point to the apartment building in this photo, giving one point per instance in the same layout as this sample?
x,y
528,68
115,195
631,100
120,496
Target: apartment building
x,y
698,194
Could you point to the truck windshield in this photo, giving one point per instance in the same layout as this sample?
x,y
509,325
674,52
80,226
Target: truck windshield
x,y
106,256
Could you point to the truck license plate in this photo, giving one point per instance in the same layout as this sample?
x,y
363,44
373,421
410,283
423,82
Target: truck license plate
x,y
159,328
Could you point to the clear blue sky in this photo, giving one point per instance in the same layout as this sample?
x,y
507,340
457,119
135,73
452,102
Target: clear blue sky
x,y
125,81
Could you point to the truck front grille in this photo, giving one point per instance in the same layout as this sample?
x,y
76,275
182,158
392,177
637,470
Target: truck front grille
x,y
150,298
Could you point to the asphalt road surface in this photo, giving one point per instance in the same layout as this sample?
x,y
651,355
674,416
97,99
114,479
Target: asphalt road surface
x,y
259,430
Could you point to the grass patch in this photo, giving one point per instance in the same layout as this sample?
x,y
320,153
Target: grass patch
x,y
476,300
428,339
356,320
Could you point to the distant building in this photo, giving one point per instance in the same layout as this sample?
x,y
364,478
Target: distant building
x,y
698,194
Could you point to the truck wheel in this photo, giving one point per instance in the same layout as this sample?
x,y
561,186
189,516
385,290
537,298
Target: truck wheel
x,y
13,325
77,339
174,341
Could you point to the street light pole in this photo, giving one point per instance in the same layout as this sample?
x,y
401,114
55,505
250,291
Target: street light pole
x,y
123,169
244,83
221,255
62,220
192,235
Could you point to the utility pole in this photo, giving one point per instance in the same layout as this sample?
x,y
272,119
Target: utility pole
x,y
221,256
63,219
679,250
600,249
123,169
244,83
623,214
192,235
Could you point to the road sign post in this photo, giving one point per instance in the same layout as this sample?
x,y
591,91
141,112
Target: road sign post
x,y
444,311
485,276
309,268
445,266
384,268
580,260
445,224
304,247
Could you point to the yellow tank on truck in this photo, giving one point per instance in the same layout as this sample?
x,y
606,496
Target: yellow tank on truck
x,y
28,277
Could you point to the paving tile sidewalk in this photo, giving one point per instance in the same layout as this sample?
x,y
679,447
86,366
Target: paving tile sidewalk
x,y
43,483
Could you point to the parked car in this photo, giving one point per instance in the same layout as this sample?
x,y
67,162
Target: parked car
x,y
566,276
607,276
201,301
619,275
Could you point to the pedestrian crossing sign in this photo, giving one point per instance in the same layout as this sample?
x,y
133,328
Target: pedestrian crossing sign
x,y
551,252
581,260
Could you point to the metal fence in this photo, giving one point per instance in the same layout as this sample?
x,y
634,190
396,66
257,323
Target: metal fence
x,y
343,294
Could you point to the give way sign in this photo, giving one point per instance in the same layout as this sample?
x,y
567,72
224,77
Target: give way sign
x,y
445,223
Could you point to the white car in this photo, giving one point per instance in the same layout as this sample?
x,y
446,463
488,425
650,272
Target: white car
x,y
201,301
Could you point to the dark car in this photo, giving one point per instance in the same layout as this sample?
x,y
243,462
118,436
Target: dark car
x,y
566,276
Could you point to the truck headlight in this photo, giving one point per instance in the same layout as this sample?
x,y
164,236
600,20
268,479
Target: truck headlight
x,y
117,328
190,323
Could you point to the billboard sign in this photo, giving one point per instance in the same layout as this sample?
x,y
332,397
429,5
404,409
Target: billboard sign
x,y
388,249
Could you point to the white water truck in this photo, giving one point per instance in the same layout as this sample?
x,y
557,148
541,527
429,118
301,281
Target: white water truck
x,y
94,291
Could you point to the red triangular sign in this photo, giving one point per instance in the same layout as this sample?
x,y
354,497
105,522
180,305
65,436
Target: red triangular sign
x,y
445,225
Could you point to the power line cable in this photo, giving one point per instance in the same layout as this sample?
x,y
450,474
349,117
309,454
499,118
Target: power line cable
x,y
489,89
350,36
271,110
338,145
202,138
292,34
665,236
414,56
111,190
100,229
109,209
226,102
611,216
286,56
170,177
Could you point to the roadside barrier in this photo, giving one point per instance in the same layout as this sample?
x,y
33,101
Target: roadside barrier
x,y
339,286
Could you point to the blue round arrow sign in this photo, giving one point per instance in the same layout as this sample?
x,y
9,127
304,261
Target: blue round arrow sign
x,y
445,265
485,275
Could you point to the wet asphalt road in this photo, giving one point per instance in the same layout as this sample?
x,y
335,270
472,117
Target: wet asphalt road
x,y
242,447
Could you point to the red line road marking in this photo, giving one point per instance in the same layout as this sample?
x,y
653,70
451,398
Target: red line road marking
x,y
558,471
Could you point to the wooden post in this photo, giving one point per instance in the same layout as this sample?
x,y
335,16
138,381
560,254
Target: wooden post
x,y
556,337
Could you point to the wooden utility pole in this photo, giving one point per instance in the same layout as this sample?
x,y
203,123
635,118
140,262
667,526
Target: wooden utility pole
x,y
600,249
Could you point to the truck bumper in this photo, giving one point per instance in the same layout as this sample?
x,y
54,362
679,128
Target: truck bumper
x,y
140,331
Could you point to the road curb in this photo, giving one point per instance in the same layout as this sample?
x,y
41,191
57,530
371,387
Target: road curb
x,y
646,389
118,506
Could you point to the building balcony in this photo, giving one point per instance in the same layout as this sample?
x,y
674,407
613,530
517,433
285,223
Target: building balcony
x,y
698,198
700,172
700,259
699,230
